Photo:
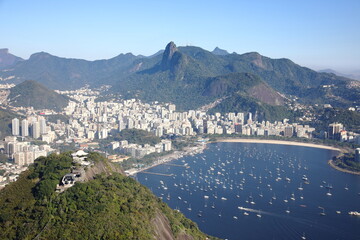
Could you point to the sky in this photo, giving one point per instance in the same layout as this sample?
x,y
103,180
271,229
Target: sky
x,y
314,33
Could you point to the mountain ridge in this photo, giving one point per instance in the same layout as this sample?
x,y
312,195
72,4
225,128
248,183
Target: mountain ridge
x,y
183,71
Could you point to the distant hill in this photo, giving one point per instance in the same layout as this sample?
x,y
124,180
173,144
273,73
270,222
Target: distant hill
x,y
181,74
7,59
33,94
107,205
354,75
5,122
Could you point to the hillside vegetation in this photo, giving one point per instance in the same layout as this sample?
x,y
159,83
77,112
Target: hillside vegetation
x,y
191,77
110,206
5,122
33,94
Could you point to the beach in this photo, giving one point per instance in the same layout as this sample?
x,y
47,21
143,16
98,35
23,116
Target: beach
x,y
244,140
200,148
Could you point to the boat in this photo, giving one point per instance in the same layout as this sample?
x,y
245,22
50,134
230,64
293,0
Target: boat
x,y
303,236
338,212
235,217
206,197
354,213
246,214
329,193
323,211
300,188
287,211
224,198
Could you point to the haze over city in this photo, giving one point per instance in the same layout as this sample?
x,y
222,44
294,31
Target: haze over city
x,y
319,35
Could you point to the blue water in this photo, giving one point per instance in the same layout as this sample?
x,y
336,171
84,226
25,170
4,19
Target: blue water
x,y
227,176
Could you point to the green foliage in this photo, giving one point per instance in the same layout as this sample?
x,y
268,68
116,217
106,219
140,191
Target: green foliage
x,y
5,122
108,207
350,119
33,94
137,136
262,111
54,118
49,170
347,161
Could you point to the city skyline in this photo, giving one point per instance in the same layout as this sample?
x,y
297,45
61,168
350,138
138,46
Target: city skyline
x,y
322,34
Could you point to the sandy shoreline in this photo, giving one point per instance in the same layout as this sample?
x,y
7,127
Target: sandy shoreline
x,y
244,140
200,148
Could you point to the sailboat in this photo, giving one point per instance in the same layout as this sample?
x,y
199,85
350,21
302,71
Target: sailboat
x,y
259,214
329,193
323,211
287,211
189,208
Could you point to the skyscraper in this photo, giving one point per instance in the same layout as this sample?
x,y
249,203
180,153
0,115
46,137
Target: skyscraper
x,y
15,127
42,126
24,128
36,129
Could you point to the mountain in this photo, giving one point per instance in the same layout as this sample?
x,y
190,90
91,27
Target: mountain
x,y
219,51
104,205
63,73
7,59
181,74
33,94
353,75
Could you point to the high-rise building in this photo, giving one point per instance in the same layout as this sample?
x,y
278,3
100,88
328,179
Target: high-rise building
x,y
288,131
15,127
35,129
334,130
42,122
25,128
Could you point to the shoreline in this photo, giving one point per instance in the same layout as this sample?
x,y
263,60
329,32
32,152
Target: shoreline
x,y
279,142
332,164
168,158
200,148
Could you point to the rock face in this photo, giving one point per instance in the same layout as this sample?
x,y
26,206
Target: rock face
x,y
168,55
7,59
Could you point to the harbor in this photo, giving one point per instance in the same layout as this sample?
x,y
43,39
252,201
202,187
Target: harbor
x,y
250,185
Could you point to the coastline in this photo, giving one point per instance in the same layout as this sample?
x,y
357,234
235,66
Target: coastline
x,y
332,164
167,158
200,148
280,142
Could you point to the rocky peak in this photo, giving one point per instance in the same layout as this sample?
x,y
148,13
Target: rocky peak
x,y
4,51
219,51
168,54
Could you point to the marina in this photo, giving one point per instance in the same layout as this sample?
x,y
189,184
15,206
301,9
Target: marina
x,y
250,186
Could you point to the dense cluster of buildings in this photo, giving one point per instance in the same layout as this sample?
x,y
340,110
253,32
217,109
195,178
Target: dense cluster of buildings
x,y
139,151
22,152
90,120
34,127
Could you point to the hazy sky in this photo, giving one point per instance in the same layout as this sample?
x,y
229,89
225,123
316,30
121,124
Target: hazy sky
x,y
313,33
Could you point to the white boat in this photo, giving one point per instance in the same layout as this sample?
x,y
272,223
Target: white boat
x,y
206,196
354,213
224,198
246,214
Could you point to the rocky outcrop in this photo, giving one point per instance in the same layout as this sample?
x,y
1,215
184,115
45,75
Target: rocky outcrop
x,y
7,59
168,55
101,167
